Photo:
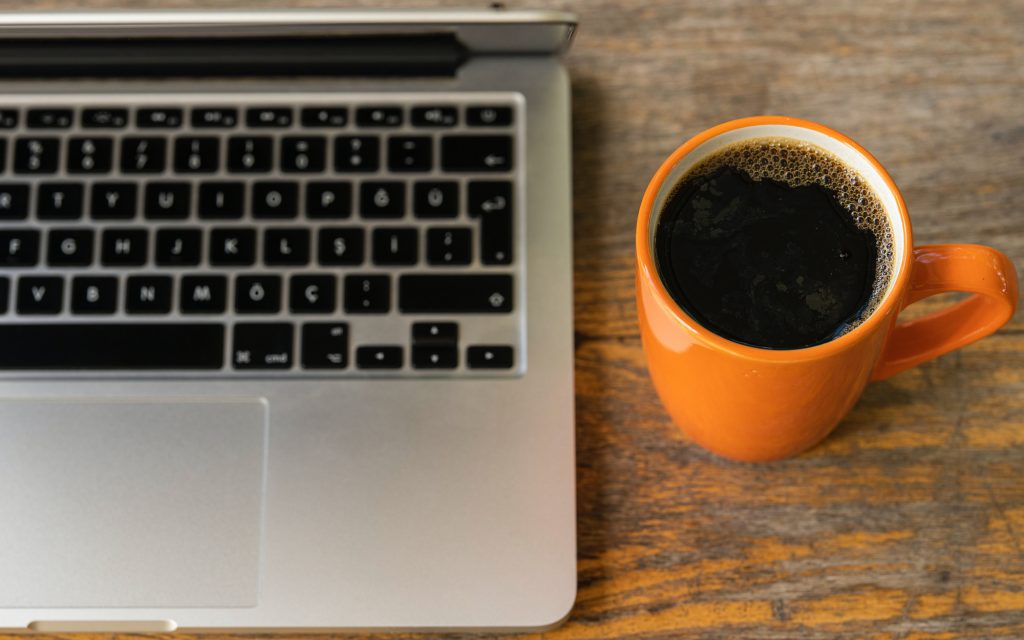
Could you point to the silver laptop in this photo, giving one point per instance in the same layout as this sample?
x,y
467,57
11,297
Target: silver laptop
x,y
285,321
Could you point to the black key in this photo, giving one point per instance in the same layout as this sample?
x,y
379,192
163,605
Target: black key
x,y
434,357
379,116
203,294
258,294
36,155
113,200
3,154
112,346
341,246
40,296
149,294
5,294
168,200
435,333
269,117
382,199
69,247
286,247
124,247
178,247
328,199
455,294
303,155
358,154
158,118
275,199
13,201
19,248
367,294
325,345
489,196
435,199
94,295
450,246
90,155
491,201
435,116
59,201
214,117
250,154
476,153
49,118
143,155
262,346
313,294
221,200
232,247
489,357
395,246
379,357
104,118
410,153
196,154
324,117
8,118
488,116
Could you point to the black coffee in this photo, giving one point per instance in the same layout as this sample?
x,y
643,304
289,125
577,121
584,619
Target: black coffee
x,y
774,243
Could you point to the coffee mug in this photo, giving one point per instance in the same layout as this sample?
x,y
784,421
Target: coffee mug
x,y
750,403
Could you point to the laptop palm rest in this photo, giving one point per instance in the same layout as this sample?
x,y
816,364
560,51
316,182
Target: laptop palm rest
x,y
131,503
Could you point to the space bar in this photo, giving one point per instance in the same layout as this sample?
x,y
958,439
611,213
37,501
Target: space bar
x,y
111,346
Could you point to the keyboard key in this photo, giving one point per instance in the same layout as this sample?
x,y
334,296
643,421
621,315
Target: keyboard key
x,y
434,357
313,294
328,199
489,196
303,155
435,116
203,294
104,118
232,247
36,155
410,153
59,201
94,295
258,294
435,333
356,154
275,199
221,200
5,294
379,357
112,346
19,248
214,117
113,200
3,154
492,203
168,200
436,199
8,118
395,246
70,247
143,155
158,118
379,116
455,293
262,346
49,118
489,116
476,153
149,294
324,117
13,201
341,246
367,294
262,117
178,247
90,155
382,199
197,154
124,247
250,154
286,247
489,357
450,246
325,345
40,296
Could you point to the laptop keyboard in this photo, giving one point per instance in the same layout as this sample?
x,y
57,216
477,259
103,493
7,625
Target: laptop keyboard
x,y
324,235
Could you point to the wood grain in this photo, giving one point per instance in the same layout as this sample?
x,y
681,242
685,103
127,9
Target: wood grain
x,y
908,523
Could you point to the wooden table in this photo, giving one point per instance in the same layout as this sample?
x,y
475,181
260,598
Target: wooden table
x,y
908,523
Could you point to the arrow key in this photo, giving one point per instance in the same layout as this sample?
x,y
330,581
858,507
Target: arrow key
x,y
489,357
434,357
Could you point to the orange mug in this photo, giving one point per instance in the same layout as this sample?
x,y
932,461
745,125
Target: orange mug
x,y
749,403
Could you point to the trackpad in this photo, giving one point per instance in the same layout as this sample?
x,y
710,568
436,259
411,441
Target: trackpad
x,y
131,503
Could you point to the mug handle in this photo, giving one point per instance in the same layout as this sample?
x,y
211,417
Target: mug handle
x,y
941,268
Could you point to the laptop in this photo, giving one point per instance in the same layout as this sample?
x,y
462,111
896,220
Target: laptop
x,y
285,321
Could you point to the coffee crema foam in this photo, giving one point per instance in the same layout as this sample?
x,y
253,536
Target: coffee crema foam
x,y
797,163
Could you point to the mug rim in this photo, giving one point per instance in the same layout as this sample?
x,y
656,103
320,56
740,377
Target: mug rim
x,y
648,271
